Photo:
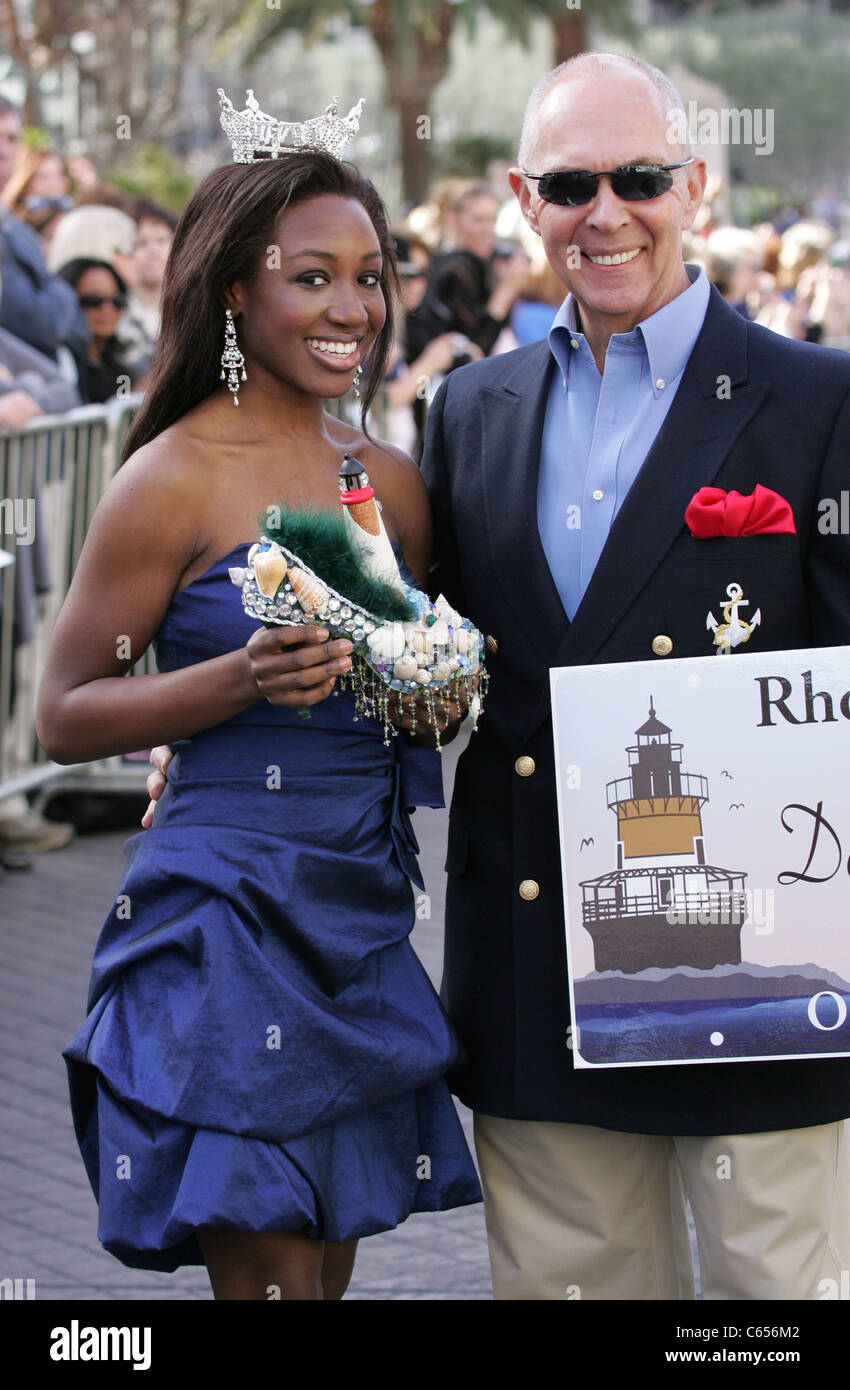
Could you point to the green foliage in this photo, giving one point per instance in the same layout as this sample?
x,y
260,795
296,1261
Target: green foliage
x,y
35,137
154,171
794,63
518,15
313,19
321,541
754,202
467,156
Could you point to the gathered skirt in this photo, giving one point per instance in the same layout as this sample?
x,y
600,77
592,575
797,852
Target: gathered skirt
x,y
263,1049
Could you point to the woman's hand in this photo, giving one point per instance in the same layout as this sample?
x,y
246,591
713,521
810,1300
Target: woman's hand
x,y
296,665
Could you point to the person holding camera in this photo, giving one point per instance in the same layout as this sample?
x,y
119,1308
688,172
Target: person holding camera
x,y
470,293
473,286
408,382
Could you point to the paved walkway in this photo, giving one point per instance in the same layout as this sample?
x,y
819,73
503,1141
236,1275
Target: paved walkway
x,y
49,923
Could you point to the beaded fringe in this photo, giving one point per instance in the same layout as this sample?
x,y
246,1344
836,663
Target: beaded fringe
x,y
372,698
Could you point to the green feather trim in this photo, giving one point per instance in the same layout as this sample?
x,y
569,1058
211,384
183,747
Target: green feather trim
x,y
321,540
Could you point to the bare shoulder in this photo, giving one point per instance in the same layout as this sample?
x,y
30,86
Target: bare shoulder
x,y
393,473
389,462
404,498
176,459
162,489
399,484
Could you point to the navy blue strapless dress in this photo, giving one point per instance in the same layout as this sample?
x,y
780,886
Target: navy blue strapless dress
x,y
263,1050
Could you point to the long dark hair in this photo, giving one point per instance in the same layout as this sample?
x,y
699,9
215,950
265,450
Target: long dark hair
x,y
74,270
225,229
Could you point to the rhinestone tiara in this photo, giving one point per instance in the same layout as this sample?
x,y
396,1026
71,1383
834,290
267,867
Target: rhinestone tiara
x,y
255,136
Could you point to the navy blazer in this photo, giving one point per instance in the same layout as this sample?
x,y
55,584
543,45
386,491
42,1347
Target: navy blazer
x,y
781,419
34,305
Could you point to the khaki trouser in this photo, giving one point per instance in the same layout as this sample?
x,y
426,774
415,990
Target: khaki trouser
x,y
574,1211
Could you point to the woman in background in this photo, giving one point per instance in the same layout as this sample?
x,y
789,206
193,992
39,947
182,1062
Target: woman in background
x,y
102,296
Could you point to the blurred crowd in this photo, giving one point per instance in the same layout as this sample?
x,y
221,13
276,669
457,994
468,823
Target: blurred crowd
x,y
82,264
475,281
81,269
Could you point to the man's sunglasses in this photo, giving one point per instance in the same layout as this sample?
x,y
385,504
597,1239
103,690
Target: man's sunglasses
x,y
634,183
97,301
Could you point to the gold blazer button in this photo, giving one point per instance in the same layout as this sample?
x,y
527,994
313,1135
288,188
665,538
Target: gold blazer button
x,y
529,889
524,766
662,645
491,643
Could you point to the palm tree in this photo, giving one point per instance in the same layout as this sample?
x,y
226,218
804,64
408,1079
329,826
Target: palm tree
x,y
132,65
568,20
413,39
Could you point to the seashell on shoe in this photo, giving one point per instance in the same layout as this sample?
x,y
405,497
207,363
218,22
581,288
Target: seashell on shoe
x,y
269,570
387,641
309,591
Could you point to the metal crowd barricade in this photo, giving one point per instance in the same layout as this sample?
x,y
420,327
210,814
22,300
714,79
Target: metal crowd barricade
x,y
53,473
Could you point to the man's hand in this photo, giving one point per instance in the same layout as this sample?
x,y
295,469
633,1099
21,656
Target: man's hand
x,y
157,782
409,711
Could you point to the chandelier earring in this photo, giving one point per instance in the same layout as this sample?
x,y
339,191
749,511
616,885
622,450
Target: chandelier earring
x,y
232,360
355,385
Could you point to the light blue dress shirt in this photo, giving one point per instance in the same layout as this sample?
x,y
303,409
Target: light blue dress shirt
x,y
599,429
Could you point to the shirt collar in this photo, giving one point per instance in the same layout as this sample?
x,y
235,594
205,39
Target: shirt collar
x,y
668,335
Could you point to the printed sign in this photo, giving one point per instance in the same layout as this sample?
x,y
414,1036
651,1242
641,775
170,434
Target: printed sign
x,y
705,832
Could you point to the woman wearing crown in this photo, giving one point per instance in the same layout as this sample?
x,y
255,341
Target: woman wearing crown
x,y
260,1078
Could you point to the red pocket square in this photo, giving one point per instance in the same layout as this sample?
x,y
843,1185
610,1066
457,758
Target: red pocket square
x,y
713,512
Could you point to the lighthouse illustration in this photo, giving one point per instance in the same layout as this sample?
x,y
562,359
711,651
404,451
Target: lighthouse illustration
x,y
663,905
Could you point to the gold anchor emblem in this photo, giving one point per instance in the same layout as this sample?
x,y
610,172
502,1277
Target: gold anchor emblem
x,y
734,630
